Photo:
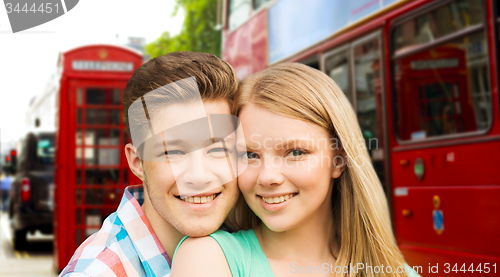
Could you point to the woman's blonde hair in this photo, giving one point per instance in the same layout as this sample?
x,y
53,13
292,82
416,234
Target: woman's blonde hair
x,y
358,201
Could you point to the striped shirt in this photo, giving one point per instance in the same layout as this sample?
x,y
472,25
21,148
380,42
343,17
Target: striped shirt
x,y
126,245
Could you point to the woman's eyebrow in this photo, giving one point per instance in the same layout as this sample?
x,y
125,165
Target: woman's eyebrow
x,y
244,145
281,145
298,141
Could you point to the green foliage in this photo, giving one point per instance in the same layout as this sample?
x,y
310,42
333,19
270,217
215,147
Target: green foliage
x,y
198,33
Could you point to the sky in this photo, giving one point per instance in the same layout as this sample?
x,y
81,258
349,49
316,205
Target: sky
x,y
28,58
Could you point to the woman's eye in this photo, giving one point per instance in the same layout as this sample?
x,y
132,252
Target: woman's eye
x,y
250,155
295,153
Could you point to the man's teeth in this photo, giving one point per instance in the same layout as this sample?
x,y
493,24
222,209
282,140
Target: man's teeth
x,y
198,199
278,199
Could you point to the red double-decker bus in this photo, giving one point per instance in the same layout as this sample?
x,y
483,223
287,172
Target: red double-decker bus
x,y
422,78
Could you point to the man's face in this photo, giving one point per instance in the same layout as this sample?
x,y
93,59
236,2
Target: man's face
x,y
186,184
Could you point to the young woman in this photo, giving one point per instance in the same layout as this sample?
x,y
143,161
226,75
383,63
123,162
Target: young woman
x,y
313,202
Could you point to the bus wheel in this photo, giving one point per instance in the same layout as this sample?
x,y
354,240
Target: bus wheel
x,y
19,239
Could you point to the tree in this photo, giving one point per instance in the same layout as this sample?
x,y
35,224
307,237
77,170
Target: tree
x,y
199,32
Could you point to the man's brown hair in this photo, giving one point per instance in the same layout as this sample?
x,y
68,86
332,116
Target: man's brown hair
x,y
216,79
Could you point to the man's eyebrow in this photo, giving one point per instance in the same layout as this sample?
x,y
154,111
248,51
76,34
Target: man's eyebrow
x,y
218,139
172,142
177,142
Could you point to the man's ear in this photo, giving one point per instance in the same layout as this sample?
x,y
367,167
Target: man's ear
x,y
339,163
134,162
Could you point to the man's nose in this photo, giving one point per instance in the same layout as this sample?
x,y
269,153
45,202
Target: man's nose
x,y
198,175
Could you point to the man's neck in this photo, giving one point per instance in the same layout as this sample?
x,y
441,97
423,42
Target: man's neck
x,y
169,236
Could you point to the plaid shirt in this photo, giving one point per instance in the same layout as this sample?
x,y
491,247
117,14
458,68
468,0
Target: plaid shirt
x,y
126,245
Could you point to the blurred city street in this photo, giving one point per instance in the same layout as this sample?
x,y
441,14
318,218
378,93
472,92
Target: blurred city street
x,y
406,95
36,260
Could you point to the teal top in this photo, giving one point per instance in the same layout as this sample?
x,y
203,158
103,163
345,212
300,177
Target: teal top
x,y
245,257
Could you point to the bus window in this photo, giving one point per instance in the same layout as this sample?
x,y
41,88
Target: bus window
x,y
368,99
312,61
257,4
337,67
442,89
443,21
239,12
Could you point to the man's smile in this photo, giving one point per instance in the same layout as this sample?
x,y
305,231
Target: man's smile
x,y
199,199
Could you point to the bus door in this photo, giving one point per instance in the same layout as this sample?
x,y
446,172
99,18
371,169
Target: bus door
x,y
99,172
444,143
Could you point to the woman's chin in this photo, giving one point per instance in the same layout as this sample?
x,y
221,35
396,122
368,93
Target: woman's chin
x,y
278,225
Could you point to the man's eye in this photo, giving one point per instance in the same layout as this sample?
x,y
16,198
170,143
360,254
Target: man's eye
x,y
174,153
218,150
295,153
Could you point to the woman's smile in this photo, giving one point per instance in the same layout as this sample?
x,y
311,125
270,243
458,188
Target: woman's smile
x,y
277,203
277,199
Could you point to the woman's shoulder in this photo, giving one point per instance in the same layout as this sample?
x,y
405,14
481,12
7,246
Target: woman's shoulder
x,y
239,251
202,245
233,243
240,236
197,256
230,243
243,253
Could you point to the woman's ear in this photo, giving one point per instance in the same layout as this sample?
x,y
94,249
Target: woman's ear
x,y
339,163
134,163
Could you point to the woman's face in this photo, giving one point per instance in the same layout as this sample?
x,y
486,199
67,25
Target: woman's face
x,y
288,179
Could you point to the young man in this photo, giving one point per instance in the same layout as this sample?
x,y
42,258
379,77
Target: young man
x,y
177,109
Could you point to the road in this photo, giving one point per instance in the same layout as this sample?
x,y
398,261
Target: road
x,y
35,261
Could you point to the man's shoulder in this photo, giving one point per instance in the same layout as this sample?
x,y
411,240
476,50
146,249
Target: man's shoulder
x,y
107,252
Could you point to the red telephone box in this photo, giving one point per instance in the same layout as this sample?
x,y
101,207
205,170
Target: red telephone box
x,y
91,168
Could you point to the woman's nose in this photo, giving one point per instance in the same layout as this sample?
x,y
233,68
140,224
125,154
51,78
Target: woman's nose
x,y
271,171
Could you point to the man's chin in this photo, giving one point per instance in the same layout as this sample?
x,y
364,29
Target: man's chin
x,y
200,231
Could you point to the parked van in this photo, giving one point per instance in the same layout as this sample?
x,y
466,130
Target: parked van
x,y
31,194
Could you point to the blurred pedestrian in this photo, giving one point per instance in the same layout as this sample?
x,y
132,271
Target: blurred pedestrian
x,y
5,186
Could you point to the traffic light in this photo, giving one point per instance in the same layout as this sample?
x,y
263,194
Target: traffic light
x,y
13,157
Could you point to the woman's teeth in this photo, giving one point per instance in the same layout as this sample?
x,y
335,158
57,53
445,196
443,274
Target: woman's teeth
x,y
278,199
198,199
